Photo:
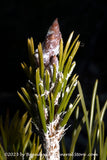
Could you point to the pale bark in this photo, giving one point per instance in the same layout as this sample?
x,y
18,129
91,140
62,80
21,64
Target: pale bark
x,y
52,140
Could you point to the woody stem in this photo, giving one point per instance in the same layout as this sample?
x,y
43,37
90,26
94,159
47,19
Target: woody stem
x,y
52,148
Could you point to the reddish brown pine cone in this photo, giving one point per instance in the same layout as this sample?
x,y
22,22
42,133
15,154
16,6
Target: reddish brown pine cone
x,y
53,37
51,45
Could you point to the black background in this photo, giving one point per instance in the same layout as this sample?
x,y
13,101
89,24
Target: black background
x,y
20,20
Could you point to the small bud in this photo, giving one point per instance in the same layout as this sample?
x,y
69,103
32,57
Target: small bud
x,y
51,45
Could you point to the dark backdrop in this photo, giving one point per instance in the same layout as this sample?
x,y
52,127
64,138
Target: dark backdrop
x,y
20,20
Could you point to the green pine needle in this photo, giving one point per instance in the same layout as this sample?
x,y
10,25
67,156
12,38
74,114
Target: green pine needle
x,y
54,73
75,49
104,155
86,118
37,80
67,66
99,122
41,111
52,106
42,96
69,112
23,100
75,136
57,88
62,103
93,104
40,51
47,80
60,54
71,89
66,49
71,47
31,50
26,94
50,109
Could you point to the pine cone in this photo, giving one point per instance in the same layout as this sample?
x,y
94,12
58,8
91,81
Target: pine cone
x,y
51,46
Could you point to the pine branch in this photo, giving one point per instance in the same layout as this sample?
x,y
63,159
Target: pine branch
x,y
51,89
